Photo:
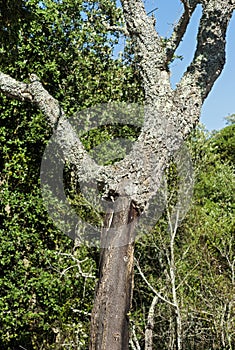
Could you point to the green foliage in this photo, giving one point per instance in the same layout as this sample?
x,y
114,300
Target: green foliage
x,y
204,251
66,44
39,289
230,119
224,144
46,280
46,293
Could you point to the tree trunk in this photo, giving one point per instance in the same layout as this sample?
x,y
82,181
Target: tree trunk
x,y
109,319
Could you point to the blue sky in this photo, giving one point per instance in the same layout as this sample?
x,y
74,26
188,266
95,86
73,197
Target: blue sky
x,y
221,100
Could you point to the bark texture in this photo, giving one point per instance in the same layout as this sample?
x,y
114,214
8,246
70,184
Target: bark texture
x,y
168,118
109,321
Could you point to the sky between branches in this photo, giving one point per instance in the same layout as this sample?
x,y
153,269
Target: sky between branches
x,y
221,100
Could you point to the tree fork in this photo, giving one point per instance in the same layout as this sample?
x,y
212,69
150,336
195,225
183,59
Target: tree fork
x,y
109,319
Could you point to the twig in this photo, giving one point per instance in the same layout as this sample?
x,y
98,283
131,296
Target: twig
x,y
151,287
78,264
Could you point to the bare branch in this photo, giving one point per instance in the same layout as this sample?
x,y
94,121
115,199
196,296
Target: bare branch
x,y
187,275
151,287
153,10
123,30
133,175
179,30
150,325
172,268
77,265
134,342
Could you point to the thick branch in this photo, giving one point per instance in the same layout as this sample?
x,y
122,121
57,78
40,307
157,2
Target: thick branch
x,y
149,46
67,140
14,89
208,61
209,57
137,176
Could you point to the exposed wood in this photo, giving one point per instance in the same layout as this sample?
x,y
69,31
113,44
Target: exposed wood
x,y
109,321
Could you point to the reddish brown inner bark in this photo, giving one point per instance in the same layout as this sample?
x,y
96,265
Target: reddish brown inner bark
x,y
109,319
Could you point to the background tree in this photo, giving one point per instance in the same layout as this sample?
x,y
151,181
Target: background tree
x,y
204,256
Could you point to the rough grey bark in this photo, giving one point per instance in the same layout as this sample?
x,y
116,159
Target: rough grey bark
x,y
169,116
186,100
68,141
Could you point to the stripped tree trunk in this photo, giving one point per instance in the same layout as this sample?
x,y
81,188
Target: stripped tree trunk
x,y
170,116
109,319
